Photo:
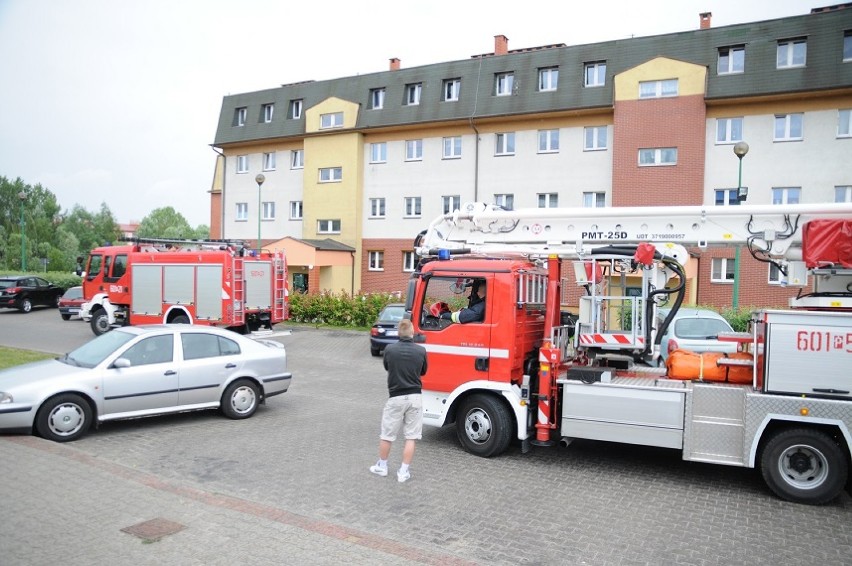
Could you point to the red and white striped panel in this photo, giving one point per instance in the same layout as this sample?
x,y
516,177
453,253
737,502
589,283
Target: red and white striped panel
x,y
609,338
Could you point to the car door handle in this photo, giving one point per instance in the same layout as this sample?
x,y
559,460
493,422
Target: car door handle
x,y
230,366
170,372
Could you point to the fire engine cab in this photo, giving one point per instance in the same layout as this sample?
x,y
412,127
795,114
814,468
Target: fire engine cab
x,y
153,281
532,371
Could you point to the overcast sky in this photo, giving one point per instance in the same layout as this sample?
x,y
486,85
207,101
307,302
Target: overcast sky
x,y
117,101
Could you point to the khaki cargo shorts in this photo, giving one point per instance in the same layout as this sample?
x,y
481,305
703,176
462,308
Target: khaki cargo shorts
x,y
405,411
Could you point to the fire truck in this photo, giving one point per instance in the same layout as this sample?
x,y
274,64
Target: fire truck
x,y
533,371
217,283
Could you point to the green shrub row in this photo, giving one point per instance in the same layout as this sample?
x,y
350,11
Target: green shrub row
x,y
59,278
343,309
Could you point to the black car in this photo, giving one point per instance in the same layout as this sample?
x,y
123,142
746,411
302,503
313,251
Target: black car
x,y
386,329
25,292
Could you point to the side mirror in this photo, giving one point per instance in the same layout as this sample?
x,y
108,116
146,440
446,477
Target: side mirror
x,y
121,363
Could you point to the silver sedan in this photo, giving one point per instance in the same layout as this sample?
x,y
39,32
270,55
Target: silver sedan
x,y
139,371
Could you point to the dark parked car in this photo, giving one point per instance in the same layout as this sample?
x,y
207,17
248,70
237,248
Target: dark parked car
x,y
25,292
69,304
386,329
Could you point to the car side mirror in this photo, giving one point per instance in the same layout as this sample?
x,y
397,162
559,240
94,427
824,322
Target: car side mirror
x,y
121,363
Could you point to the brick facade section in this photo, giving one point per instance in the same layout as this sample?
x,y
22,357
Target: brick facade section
x,y
392,279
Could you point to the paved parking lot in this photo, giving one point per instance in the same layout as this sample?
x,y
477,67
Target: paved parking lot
x,y
291,485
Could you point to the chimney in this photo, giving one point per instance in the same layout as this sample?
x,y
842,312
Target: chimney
x,y
501,45
394,64
705,19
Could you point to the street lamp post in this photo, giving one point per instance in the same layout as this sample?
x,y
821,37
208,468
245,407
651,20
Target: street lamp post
x,y
740,150
23,196
259,180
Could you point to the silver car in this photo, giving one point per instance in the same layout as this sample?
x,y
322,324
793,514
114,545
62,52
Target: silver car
x,y
139,371
694,329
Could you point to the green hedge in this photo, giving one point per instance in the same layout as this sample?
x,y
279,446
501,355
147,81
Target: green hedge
x,y
59,278
354,311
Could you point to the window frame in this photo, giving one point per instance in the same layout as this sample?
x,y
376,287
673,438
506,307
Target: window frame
x,y
845,190
549,200
450,203
375,260
844,119
847,46
723,270
454,144
789,124
378,208
328,226
598,70
659,152
659,90
414,150
269,160
331,120
409,261
788,47
782,195
450,90
267,209
504,83
242,164
412,207
294,109
297,159
596,199
550,137
240,116
731,67
729,130
296,210
595,138
379,152
332,174
729,197
548,79
267,111
505,200
241,212
774,275
377,98
413,94
504,143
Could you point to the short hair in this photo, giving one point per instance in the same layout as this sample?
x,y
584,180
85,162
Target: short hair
x,y
406,329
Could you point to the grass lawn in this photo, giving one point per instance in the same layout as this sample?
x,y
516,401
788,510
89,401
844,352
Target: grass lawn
x,y
14,357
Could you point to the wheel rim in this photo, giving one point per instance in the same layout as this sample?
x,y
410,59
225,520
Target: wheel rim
x,y
243,400
26,306
66,419
803,466
477,426
102,324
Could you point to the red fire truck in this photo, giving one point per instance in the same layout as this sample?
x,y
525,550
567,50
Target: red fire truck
x,y
532,371
184,281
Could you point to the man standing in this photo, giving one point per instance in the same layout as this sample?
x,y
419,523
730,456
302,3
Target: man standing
x,y
405,362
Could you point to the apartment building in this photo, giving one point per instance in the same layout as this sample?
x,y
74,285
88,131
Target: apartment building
x,y
353,168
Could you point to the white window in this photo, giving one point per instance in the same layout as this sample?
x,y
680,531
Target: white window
x,y
330,174
505,144
452,147
408,261
844,117
595,138
843,193
658,89
376,260
786,195
658,156
377,208
788,127
505,200
242,211
548,200
774,277
548,141
726,197
242,164
412,207
268,211
268,110
377,98
295,210
503,83
240,116
378,152
297,159
414,150
295,110
269,161
548,79
847,46
729,130
594,200
721,270
791,53
595,74
731,60
450,203
412,94
451,90
328,226
331,120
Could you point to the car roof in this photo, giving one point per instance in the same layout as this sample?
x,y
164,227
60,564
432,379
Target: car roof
x,y
690,312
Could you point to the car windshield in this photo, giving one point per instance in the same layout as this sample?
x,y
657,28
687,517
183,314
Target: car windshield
x,y
700,327
73,293
392,314
92,353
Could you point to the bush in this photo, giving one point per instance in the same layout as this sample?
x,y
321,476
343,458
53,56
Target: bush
x,y
354,311
739,317
59,278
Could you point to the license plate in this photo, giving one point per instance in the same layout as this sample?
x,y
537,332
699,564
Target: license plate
x,y
393,333
75,311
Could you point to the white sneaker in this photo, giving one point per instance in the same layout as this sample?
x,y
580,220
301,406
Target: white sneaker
x,y
379,471
402,477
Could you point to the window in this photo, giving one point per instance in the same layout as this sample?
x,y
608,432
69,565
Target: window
x,y
786,195
505,200
731,60
726,197
408,261
595,138
240,116
505,144
595,74
844,117
376,260
328,226
791,53
242,164
548,200
269,161
774,277
268,211
377,208
413,150
200,346
377,98
503,83
294,112
843,193
452,147
331,120
378,152
295,210
658,156
548,79
450,204
721,270
788,127
154,350
267,111
412,207
412,94
729,130
847,46
594,200
548,141
658,89
330,174
450,90
242,211
297,159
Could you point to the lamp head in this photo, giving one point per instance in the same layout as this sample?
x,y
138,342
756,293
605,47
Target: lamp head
x,y
740,149
261,177
22,195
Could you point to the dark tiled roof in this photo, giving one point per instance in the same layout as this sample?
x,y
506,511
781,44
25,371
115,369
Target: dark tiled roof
x,y
326,244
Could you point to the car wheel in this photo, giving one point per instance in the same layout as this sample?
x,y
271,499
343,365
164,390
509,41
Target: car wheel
x,y
182,319
26,305
376,352
240,399
66,316
56,300
64,418
100,322
484,426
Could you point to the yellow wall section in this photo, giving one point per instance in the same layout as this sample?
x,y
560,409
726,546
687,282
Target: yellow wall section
x,y
330,106
692,79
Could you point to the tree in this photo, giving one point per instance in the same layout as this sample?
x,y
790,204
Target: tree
x,y
165,223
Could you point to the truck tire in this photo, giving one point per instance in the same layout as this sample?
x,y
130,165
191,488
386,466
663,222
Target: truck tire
x,y
181,319
484,426
64,418
804,466
100,322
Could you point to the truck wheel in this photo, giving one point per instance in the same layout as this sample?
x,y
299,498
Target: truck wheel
x,y
804,466
100,322
484,426
26,305
64,418
240,399
181,319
